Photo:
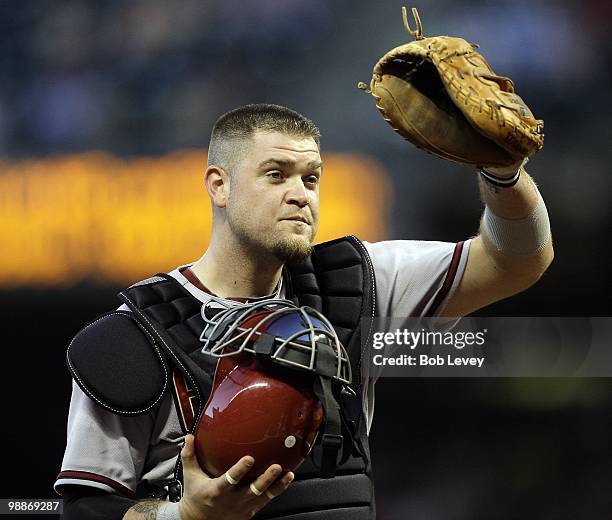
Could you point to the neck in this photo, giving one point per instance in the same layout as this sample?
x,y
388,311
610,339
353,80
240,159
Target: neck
x,y
231,269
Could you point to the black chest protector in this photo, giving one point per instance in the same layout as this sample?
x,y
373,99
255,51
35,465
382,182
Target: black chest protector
x,y
141,349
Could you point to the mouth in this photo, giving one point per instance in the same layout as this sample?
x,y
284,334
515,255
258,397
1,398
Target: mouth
x,y
298,219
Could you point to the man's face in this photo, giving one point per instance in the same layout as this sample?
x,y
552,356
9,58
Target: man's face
x,y
273,203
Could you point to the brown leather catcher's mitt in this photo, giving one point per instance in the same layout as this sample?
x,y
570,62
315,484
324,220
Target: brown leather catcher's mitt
x,y
442,96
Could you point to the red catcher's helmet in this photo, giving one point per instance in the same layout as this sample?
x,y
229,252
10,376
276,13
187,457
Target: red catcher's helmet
x,y
276,363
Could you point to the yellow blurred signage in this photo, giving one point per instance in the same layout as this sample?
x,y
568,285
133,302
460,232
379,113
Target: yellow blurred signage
x,y
99,217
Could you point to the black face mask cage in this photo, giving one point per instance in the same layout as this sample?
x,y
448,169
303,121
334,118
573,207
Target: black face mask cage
x,y
225,335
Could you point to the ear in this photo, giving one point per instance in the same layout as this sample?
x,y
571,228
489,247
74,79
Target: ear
x,y
217,184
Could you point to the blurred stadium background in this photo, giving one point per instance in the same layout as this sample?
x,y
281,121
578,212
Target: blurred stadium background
x,y
105,113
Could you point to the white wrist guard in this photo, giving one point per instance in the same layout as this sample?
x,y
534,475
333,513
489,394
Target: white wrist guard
x,y
169,511
524,237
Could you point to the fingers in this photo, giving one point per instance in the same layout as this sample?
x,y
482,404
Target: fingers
x,y
235,474
271,484
226,495
264,481
280,485
188,456
267,487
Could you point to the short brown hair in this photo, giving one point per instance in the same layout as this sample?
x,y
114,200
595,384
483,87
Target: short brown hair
x,y
232,130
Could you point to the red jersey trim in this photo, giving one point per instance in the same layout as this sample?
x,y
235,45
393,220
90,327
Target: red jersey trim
x,y
194,280
448,281
94,477
190,275
184,397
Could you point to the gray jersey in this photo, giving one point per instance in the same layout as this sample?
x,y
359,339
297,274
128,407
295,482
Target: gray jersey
x,y
115,453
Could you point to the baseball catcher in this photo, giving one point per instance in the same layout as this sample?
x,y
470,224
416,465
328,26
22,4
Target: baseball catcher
x,y
264,410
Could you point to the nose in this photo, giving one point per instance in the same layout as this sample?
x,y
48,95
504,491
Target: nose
x,y
298,194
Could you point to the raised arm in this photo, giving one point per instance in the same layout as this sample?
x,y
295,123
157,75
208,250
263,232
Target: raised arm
x,y
514,245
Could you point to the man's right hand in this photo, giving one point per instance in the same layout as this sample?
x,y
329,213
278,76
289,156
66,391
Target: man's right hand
x,y
206,498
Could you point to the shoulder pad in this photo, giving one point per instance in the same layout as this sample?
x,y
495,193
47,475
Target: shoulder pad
x,y
116,363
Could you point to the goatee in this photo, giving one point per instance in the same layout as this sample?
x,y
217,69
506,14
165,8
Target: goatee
x,y
291,250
